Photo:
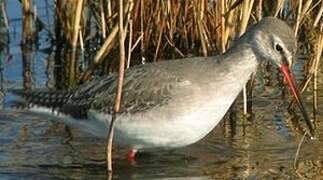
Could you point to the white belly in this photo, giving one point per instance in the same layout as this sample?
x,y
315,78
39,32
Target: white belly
x,y
151,130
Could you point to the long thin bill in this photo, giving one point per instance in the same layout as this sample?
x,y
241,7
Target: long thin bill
x,y
285,70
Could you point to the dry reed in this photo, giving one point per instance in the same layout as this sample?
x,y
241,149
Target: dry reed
x,y
178,28
28,23
117,100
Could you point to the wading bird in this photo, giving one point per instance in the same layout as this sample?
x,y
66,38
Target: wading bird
x,y
175,103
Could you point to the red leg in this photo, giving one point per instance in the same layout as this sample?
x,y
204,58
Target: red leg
x,y
132,155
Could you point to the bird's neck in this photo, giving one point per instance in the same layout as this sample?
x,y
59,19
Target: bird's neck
x,y
236,67
242,57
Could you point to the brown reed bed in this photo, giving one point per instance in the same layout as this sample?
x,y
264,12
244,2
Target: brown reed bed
x,y
165,29
145,31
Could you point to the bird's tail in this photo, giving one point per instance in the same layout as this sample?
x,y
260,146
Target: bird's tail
x,y
44,98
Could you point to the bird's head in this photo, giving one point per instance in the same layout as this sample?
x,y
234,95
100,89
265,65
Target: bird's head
x,y
273,40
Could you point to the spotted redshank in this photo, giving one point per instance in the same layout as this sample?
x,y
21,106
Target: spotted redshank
x,y
175,103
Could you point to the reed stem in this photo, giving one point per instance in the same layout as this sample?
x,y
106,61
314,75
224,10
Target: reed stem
x,y
117,100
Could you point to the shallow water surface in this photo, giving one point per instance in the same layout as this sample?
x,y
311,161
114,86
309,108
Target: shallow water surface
x,y
262,146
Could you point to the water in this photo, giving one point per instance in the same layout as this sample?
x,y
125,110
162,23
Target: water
x,y
264,147
259,147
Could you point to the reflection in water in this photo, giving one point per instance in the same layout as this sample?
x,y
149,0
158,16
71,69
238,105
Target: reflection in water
x,y
310,169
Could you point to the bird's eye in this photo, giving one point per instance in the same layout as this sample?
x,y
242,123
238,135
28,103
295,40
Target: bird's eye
x,y
278,48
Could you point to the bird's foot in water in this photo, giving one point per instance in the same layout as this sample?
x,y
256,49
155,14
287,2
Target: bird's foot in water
x,y
132,156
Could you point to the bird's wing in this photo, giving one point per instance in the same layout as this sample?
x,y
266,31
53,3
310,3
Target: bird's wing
x,y
144,87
